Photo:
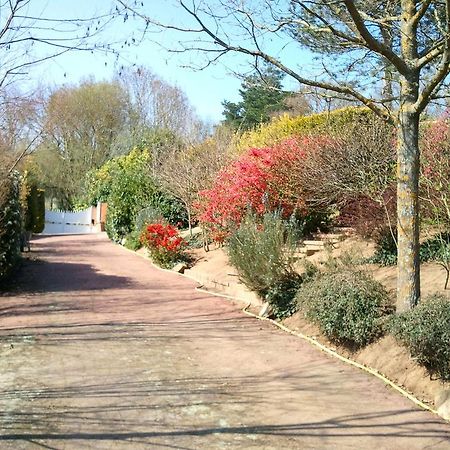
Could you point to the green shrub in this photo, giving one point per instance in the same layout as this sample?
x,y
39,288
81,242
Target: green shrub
x,y
425,331
36,210
195,241
263,255
347,304
127,185
133,240
385,250
10,223
436,249
146,216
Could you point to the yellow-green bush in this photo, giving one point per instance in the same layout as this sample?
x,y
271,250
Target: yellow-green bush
x,y
283,127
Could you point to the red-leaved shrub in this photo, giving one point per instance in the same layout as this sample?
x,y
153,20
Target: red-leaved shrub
x,y
163,242
260,180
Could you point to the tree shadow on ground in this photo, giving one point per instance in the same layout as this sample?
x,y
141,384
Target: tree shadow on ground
x,y
59,277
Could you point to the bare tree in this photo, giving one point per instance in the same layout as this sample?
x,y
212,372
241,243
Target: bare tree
x,y
186,172
156,104
29,35
80,127
19,127
363,47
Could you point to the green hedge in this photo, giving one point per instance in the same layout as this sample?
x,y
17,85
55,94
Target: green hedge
x,y
10,223
35,218
284,127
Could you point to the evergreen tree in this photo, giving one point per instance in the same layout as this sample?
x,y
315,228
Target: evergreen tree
x,y
262,95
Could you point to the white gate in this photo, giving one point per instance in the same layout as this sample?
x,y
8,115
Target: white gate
x,y
66,222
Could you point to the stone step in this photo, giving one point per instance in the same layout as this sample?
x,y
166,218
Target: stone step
x,y
304,251
329,237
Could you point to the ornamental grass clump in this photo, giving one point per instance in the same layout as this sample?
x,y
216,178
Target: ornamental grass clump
x,y
163,243
262,251
425,331
347,304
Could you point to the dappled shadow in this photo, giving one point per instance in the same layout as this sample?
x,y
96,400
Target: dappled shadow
x,y
54,333
378,425
60,277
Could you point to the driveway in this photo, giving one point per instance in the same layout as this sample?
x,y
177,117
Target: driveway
x,y
99,350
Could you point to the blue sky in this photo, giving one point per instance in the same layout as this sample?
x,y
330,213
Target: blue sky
x,y
206,89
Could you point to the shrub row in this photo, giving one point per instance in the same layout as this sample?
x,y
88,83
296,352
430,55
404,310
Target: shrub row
x,y
285,127
347,304
10,223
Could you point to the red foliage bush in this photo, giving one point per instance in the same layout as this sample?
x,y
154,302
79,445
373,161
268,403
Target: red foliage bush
x,y
369,218
435,171
261,180
163,242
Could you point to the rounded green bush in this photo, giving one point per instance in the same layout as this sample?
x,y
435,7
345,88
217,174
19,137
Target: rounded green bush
x,y
425,331
347,305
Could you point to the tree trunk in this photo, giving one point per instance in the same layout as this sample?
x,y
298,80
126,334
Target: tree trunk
x,y
188,209
408,280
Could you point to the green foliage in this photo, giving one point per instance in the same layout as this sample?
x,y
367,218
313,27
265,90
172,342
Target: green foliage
x,y
10,223
195,241
436,248
263,256
261,95
35,221
172,209
347,304
425,331
146,216
385,250
130,188
127,185
133,240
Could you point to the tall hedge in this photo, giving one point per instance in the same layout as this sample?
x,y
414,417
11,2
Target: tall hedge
x,y
35,217
285,126
10,223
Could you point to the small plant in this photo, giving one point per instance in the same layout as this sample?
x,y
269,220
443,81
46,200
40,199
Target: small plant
x,y
164,244
262,252
438,249
385,250
347,304
133,241
148,215
425,331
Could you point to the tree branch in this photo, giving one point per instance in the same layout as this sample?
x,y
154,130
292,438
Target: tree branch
x,y
372,43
